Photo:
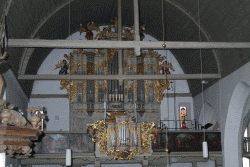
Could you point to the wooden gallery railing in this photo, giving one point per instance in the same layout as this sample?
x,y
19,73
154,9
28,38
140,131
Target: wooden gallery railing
x,y
57,143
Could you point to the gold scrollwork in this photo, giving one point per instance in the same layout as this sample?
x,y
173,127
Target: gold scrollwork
x,y
71,87
130,52
84,90
159,87
151,52
96,88
101,134
146,134
111,54
99,51
150,67
147,86
90,68
135,89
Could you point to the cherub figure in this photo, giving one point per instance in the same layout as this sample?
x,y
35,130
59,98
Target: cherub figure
x,y
166,66
115,26
142,29
128,35
64,67
104,34
156,136
88,29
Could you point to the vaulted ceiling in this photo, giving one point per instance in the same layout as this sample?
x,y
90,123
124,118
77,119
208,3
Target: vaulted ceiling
x,y
221,20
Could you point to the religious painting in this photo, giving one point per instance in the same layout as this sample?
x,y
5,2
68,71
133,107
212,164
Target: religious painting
x,y
183,114
58,143
192,141
186,142
81,143
213,141
54,143
160,144
87,143
75,143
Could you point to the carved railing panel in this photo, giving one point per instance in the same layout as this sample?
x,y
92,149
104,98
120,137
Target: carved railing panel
x,y
57,143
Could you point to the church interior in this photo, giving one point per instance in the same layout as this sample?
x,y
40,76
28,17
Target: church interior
x,y
124,83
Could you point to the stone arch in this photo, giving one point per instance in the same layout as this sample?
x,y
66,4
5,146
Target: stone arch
x,y
234,124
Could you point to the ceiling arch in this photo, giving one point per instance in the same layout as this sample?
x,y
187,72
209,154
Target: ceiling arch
x,y
51,22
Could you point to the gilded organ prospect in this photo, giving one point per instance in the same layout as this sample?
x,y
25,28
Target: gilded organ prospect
x,y
122,106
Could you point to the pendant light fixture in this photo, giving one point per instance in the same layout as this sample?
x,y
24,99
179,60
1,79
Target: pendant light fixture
x,y
204,143
2,159
68,157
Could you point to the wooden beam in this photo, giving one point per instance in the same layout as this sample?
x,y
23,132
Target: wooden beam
x,y
12,131
100,44
119,77
136,21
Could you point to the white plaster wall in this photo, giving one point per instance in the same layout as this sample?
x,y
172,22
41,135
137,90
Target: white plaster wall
x,y
2,159
219,96
211,115
57,108
14,93
170,109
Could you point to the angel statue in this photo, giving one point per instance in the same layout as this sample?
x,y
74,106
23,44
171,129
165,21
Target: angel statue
x,y
64,67
128,35
115,26
88,29
104,34
166,66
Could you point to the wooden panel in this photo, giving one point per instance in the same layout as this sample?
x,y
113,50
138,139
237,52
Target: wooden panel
x,y
17,142
192,141
19,132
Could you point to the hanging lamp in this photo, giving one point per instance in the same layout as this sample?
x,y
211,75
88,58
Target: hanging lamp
x,y
204,143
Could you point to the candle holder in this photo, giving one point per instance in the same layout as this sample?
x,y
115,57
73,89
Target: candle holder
x,y
37,117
